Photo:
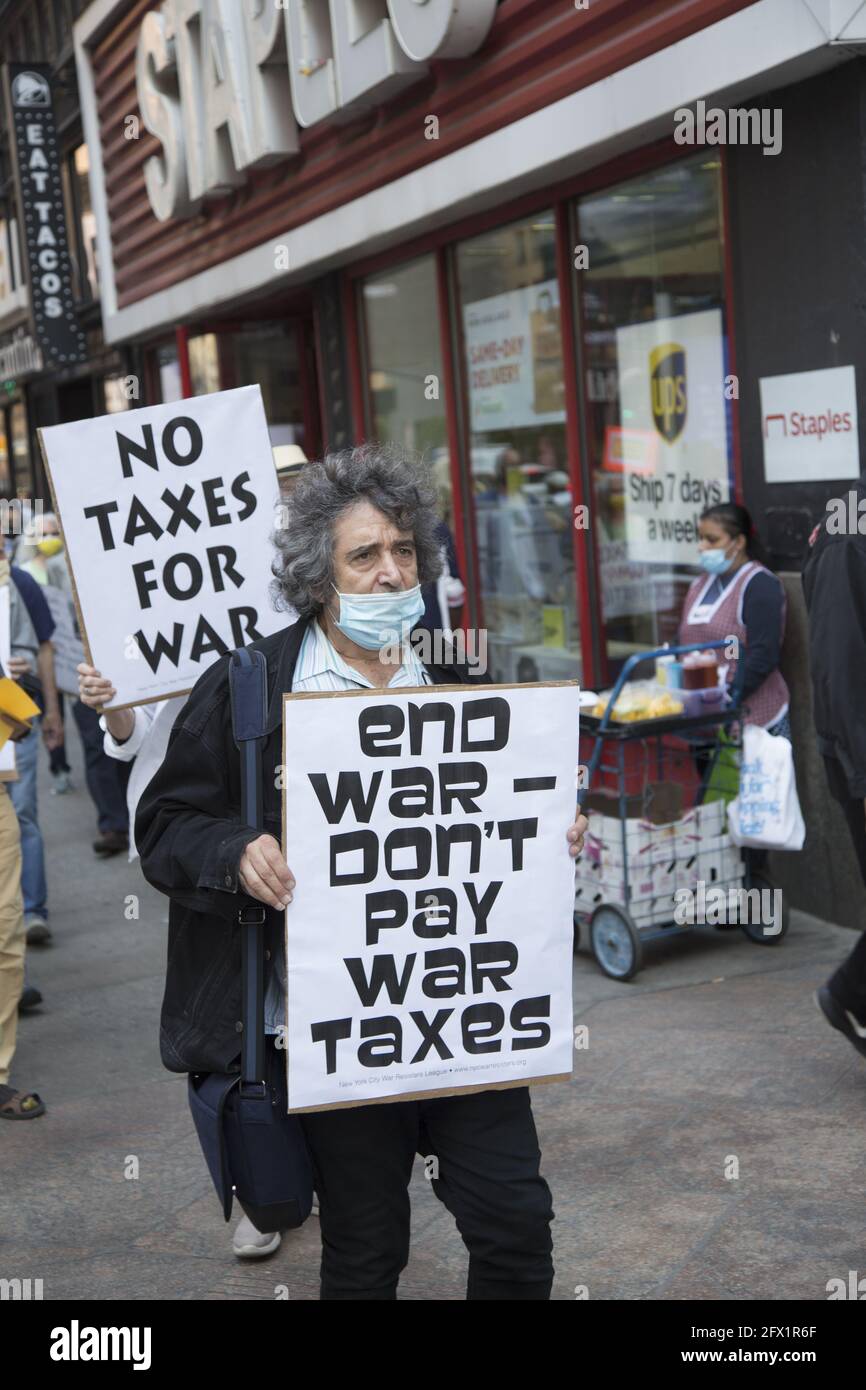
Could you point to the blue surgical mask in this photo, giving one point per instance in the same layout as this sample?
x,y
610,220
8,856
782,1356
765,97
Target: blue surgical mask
x,y
375,620
715,561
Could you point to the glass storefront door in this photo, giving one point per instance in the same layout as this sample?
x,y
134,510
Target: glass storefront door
x,y
510,335
655,359
404,369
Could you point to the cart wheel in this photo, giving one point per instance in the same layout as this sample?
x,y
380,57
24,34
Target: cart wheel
x,y
756,931
576,921
616,944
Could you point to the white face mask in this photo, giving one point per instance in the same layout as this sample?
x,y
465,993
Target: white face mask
x,y
375,620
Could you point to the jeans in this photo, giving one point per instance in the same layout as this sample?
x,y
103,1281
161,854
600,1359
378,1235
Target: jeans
x,y
849,982
23,794
106,777
487,1154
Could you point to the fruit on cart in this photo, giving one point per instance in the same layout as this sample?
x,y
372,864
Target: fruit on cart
x,y
639,700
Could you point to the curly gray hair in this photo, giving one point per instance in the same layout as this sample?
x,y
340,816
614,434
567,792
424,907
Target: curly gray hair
x,y
393,481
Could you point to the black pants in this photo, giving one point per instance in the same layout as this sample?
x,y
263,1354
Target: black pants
x,y
57,756
106,777
849,982
487,1154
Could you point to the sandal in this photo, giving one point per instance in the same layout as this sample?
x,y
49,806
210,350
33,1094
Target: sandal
x,y
20,1105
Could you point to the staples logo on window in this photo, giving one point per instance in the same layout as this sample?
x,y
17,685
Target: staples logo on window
x,y
809,426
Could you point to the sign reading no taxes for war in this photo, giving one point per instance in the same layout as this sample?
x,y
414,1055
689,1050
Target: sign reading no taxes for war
x,y
168,514
429,941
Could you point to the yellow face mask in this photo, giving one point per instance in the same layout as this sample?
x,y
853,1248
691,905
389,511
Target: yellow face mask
x,y
50,545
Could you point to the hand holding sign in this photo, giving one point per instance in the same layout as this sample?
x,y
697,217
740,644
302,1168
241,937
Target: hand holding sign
x,y
264,873
575,834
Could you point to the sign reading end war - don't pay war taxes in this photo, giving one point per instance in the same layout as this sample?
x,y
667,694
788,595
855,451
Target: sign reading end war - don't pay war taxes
x,y
429,940
167,513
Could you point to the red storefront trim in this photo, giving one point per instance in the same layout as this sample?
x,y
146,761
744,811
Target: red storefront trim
x,y
181,338
356,341
461,489
577,473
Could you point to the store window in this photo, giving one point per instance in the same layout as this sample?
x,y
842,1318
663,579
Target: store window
x,y
115,394
21,465
204,364
168,371
7,275
268,355
404,369
5,461
658,419
265,355
81,224
512,348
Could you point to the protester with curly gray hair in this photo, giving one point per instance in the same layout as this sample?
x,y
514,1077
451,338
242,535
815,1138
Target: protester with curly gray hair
x,y
358,537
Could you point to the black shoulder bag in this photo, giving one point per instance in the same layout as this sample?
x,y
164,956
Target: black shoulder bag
x,y
254,1149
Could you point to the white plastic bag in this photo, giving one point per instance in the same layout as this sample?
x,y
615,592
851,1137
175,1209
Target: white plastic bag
x,y
766,814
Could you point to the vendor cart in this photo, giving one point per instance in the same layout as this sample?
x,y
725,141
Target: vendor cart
x,y
643,878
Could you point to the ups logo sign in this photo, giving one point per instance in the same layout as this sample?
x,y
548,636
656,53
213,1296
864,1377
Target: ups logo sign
x,y
668,389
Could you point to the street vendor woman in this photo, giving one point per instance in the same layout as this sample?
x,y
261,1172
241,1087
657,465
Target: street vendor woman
x,y
359,541
737,596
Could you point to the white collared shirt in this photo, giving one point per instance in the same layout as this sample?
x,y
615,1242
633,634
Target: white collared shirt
x,y
320,667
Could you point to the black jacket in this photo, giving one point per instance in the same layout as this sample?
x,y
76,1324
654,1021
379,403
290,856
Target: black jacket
x,y
834,583
190,839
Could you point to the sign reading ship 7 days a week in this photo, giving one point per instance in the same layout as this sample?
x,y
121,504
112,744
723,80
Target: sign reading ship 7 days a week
x,y
167,513
429,941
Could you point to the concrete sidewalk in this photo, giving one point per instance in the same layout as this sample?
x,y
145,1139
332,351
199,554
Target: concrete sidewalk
x,y
714,1051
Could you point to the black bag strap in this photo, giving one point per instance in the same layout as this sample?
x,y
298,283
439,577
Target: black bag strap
x,y
248,689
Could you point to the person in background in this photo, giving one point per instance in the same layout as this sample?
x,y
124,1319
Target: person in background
x,y
443,597
289,460
140,736
737,596
106,780
834,586
31,663
49,567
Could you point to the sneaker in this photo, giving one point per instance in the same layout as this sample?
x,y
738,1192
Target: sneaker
x,y
839,1017
38,930
62,783
30,998
248,1243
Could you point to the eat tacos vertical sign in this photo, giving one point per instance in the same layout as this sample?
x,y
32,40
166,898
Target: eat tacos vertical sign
x,y
168,514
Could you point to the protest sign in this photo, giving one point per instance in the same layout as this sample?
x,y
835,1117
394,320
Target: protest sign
x,y
429,941
65,639
167,514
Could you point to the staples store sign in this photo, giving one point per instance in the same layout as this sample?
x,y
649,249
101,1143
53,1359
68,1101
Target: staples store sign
x,y
809,424
225,84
